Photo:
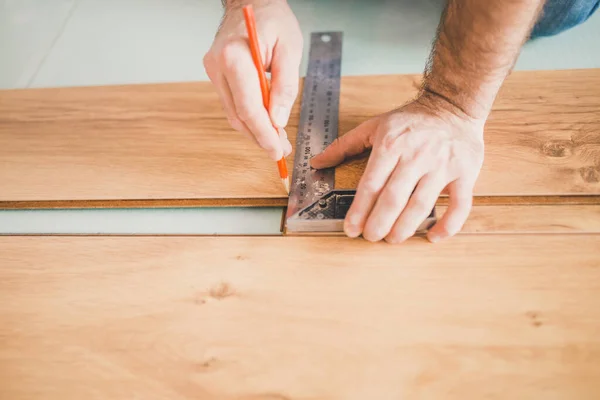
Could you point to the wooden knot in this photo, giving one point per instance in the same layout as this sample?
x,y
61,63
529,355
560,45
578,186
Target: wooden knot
x,y
590,174
208,364
534,319
558,148
221,291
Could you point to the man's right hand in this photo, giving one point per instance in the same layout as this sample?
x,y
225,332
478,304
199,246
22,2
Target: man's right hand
x,y
230,68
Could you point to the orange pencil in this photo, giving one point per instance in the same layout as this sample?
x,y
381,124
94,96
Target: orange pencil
x,y
264,86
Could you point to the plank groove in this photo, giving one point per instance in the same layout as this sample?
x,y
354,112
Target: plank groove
x,y
287,318
274,202
165,142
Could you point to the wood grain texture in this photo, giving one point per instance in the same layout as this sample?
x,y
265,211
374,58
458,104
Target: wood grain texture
x,y
172,141
523,219
226,318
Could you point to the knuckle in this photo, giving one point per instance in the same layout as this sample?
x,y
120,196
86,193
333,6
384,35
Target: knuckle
x,y
398,123
229,55
369,187
389,124
209,65
390,199
420,205
208,58
206,61
389,142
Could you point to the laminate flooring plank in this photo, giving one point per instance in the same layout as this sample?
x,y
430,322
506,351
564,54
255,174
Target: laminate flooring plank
x,y
166,142
523,219
300,318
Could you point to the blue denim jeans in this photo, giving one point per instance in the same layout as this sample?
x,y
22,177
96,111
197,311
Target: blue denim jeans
x,y
560,15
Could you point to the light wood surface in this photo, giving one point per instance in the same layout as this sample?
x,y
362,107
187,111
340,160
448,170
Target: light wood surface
x,y
300,318
171,141
513,219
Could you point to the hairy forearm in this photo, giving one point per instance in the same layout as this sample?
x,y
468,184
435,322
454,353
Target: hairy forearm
x,y
477,44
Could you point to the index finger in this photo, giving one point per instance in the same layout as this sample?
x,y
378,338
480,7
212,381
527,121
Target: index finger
x,y
242,78
379,168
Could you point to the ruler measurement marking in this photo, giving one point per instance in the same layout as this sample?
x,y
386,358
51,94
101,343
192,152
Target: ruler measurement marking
x,y
317,128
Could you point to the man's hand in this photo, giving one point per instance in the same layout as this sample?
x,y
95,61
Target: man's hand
x,y
229,66
435,144
423,146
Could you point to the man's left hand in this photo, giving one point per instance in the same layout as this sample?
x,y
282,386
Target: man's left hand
x,y
425,146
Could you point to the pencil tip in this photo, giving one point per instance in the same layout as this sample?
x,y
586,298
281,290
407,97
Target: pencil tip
x,y
286,184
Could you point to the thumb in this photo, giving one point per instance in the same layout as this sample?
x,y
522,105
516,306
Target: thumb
x,y
352,143
285,68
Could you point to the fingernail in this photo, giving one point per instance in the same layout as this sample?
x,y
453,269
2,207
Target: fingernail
x,y
351,231
276,155
434,238
351,226
353,219
285,143
288,148
282,133
280,116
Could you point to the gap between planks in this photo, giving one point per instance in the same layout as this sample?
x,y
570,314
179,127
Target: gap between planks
x,y
490,215
271,202
483,219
